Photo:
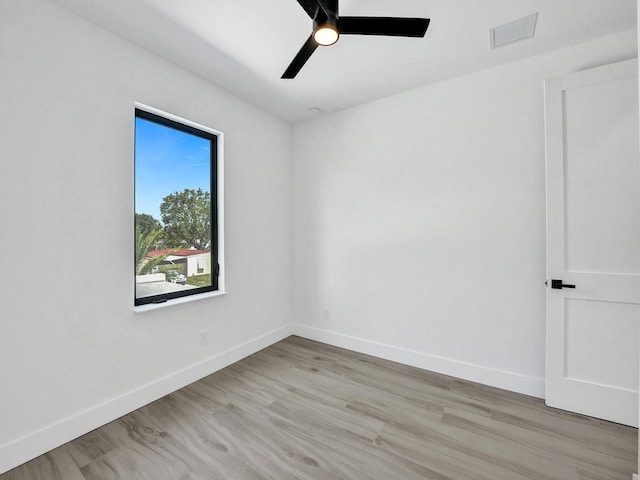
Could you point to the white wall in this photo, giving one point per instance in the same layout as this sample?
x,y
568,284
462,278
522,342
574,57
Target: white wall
x,y
419,222
73,354
638,41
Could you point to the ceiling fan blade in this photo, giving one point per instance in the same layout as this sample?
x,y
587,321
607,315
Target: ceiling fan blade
x,y
301,58
312,7
330,7
391,26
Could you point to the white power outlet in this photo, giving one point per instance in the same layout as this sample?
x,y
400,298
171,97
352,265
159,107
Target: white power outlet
x,y
326,314
204,338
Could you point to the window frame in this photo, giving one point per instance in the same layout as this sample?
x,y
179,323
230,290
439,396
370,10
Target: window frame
x,y
216,139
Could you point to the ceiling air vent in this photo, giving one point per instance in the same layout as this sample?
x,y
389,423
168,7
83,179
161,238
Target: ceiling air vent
x,y
515,31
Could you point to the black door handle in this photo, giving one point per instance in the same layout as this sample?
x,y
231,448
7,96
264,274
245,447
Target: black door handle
x,y
559,285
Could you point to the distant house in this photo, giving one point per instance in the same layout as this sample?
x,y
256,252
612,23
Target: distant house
x,y
192,261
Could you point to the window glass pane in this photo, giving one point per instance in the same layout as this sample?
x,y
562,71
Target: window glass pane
x,y
174,215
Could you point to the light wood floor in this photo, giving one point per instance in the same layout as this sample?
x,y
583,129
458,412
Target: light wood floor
x,y
304,410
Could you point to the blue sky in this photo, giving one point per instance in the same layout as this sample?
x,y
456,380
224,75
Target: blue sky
x,y
167,161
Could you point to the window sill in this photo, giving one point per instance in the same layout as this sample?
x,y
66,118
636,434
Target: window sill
x,y
177,301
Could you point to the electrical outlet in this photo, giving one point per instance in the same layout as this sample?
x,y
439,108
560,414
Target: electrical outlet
x,y
204,338
326,314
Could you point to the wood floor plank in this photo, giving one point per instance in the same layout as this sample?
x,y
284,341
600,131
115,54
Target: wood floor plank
x,y
459,443
448,460
594,433
547,446
352,456
303,410
54,465
89,448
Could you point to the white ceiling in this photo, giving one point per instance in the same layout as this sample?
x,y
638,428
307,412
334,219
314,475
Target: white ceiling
x,y
244,46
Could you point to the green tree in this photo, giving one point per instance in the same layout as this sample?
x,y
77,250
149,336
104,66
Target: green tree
x,y
144,243
147,223
187,219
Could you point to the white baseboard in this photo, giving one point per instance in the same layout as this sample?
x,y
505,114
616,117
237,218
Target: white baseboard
x,y
36,443
476,373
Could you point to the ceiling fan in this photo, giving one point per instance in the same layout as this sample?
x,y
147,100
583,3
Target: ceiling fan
x,y
328,26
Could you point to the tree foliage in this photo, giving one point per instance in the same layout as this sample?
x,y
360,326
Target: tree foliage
x,y
147,223
144,243
187,219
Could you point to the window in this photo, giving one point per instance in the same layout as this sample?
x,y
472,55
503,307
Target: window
x,y
177,234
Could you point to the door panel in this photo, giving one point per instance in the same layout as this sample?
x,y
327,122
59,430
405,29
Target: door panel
x,y
601,165
593,242
598,362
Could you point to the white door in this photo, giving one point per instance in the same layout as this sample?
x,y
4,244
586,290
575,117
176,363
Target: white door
x,y
593,242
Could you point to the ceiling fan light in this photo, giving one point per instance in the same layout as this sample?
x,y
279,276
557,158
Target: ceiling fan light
x,y
326,34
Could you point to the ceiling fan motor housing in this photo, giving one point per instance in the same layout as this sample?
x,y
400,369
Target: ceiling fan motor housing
x,y
325,29
328,26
